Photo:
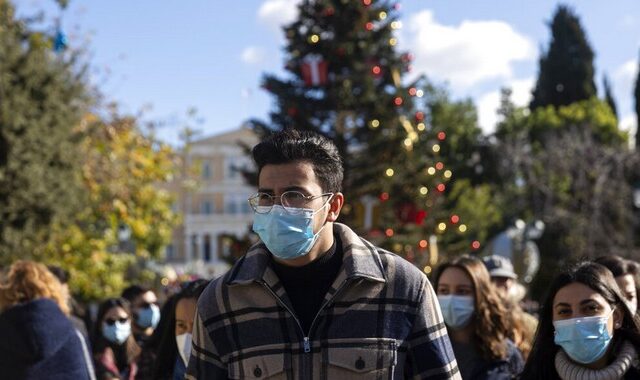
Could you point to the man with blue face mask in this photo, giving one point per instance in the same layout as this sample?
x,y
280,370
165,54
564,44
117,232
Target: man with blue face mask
x,y
145,310
312,299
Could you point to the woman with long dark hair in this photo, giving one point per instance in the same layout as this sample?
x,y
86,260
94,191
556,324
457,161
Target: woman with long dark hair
x,y
174,350
586,330
625,273
115,350
476,320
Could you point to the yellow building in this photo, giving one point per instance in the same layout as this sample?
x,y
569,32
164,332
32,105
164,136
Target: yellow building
x,y
212,198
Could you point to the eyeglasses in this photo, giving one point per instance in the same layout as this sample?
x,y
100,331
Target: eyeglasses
x,y
111,321
262,203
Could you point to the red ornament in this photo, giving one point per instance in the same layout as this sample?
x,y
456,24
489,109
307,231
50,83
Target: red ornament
x,y
384,196
314,70
409,213
389,232
376,70
397,101
406,57
423,244
441,187
419,115
455,219
442,136
475,245
329,11
368,26
439,166
413,91
366,2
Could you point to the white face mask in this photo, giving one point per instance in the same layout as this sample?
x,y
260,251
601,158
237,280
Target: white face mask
x,y
183,341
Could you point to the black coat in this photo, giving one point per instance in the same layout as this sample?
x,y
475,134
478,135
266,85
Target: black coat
x,y
37,341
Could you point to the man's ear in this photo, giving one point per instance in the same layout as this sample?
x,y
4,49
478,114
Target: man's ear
x,y
335,205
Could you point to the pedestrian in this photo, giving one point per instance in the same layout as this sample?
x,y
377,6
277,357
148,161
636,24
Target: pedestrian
x,y
174,350
523,325
313,300
625,273
115,350
477,321
38,341
145,312
586,330
63,276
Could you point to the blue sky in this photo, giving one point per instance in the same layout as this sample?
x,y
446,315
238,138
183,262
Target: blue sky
x,y
164,57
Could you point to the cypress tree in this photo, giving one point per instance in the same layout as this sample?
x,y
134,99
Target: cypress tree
x,y
566,69
608,95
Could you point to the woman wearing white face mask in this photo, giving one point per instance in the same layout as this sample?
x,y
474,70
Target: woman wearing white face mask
x,y
476,321
174,350
115,351
586,330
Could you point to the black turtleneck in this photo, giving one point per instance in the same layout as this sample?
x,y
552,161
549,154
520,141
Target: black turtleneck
x,y
307,285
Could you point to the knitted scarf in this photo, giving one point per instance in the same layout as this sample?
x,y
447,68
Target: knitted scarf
x,y
569,370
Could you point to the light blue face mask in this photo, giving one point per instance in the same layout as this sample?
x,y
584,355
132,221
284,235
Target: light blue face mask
x,y
456,310
585,339
116,333
148,316
287,234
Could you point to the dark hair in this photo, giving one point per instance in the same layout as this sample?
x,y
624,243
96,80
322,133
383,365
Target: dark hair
x,y
540,362
167,351
61,274
490,317
291,145
617,265
134,291
127,352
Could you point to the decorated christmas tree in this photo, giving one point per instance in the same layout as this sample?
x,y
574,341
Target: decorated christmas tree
x,y
345,80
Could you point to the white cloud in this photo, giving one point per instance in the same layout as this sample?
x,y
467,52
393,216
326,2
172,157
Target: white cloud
x,y
252,55
489,103
275,13
624,77
466,54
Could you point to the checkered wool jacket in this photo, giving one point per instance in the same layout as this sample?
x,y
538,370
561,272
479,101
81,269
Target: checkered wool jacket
x,y
380,320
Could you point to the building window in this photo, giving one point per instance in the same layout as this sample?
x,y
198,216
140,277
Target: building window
x,y
206,170
169,252
207,208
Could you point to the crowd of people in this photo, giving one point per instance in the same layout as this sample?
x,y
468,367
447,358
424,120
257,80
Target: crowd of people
x,y
313,300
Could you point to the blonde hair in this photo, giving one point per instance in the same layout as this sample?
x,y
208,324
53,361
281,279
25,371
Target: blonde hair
x,y
27,281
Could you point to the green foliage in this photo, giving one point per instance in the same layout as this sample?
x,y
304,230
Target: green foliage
x,y
121,172
636,95
608,96
566,69
569,167
42,97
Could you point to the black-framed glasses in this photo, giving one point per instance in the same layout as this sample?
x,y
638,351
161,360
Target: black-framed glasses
x,y
291,200
111,321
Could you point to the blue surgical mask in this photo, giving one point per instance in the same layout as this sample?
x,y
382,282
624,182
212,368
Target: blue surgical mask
x,y
456,310
148,316
585,339
287,233
116,333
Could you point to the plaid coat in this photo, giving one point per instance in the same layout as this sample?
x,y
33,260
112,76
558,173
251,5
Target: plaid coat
x,y
379,320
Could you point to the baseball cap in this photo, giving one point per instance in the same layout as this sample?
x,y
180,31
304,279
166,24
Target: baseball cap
x,y
499,266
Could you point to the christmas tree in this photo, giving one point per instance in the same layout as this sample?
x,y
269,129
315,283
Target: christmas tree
x,y
345,80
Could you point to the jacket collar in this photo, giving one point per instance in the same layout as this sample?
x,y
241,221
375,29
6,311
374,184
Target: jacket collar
x,y
361,259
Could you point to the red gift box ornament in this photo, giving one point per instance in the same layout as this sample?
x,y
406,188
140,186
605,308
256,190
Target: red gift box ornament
x,y
314,70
